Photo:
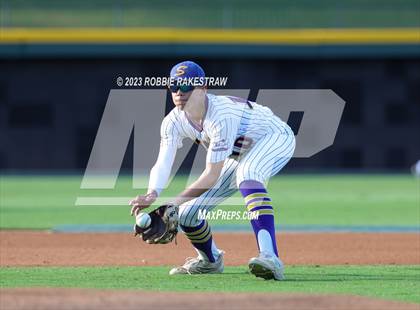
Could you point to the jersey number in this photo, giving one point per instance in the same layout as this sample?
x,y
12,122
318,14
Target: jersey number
x,y
241,144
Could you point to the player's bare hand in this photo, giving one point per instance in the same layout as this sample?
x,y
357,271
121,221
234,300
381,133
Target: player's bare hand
x,y
142,202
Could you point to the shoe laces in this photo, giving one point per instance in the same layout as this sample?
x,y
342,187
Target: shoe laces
x,y
198,263
189,261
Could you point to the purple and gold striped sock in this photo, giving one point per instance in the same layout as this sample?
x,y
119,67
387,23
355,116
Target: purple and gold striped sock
x,y
257,200
201,238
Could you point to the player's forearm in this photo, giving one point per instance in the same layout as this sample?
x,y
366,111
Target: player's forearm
x,y
157,179
196,189
152,192
159,174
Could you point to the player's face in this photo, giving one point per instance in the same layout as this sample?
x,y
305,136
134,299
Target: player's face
x,y
180,98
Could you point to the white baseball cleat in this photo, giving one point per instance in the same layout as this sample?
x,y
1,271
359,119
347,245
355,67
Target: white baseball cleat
x,y
267,266
197,265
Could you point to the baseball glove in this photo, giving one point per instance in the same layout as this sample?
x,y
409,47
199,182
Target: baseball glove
x,y
163,228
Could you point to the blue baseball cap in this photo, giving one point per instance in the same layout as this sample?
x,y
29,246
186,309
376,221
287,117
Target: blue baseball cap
x,y
187,69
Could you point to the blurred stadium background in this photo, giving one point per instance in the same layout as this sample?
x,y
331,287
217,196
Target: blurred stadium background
x,y
59,60
214,14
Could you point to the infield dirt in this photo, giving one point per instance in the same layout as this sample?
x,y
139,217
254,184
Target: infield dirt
x,y
40,248
77,299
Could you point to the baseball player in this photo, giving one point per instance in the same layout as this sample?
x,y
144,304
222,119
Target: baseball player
x,y
246,145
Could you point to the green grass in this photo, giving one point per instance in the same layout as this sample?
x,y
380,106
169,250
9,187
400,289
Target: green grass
x,y
388,282
42,202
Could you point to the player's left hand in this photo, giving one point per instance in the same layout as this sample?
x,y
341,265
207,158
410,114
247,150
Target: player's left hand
x,y
163,226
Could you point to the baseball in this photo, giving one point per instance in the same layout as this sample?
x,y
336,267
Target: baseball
x,y
143,220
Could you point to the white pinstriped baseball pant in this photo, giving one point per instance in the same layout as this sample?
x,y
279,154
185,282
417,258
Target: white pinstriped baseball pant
x,y
266,158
